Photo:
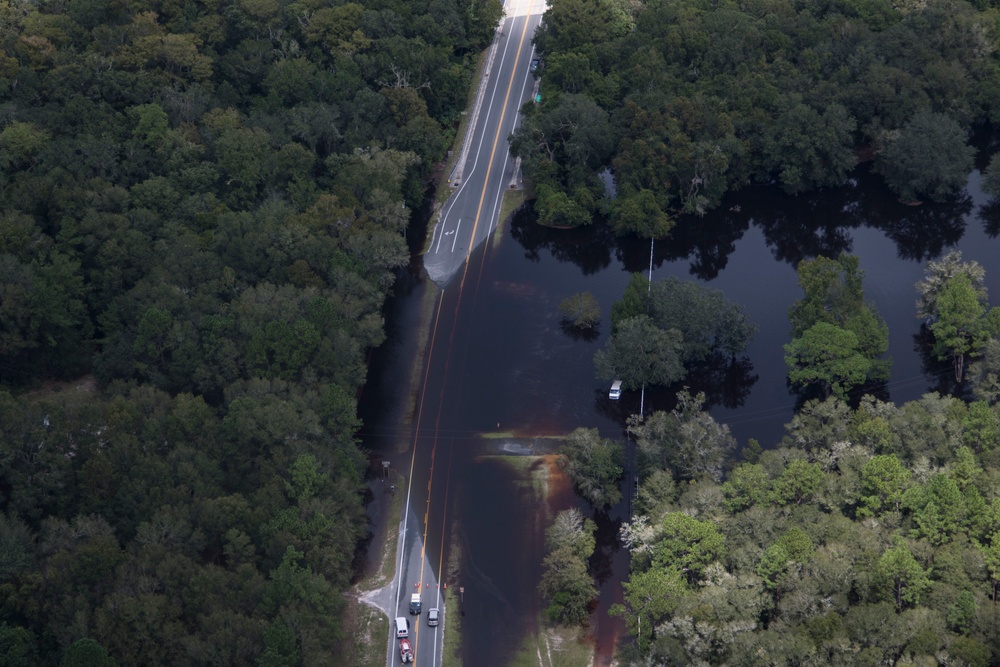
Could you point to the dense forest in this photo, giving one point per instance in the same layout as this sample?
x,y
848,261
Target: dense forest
x,y
202,204
685,100
869,535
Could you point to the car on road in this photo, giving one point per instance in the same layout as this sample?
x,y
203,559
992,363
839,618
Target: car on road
x,y
415,605
433,617
535,63
402,627
405,651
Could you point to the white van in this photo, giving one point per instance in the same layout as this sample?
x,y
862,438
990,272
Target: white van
x,y
616,390
402,627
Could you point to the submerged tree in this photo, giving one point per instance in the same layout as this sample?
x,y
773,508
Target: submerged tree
x,y
830,356
641,353
566,584
938,273
963,324
837,338
688,320
706,319
595,466
581,310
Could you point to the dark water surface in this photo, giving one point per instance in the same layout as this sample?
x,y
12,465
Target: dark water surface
x,y
510,363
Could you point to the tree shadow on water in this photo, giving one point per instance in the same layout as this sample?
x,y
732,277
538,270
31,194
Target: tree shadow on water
x,y
923,232
708,241
588,247
724,380
601,562
989,215
940,374
588,334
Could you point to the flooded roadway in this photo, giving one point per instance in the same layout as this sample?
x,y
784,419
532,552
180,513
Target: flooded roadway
x,y
511,367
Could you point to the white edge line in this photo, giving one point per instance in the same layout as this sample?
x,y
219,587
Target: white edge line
x,y
482,137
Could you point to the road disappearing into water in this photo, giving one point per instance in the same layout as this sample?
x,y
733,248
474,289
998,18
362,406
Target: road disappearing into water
x,y
484,171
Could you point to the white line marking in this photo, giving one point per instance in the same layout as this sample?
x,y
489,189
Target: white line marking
x,y
454,239
482,136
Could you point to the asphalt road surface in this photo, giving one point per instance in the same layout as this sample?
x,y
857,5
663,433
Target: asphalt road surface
x,y
485,168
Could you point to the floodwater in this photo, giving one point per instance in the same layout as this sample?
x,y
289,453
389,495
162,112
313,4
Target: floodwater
x,y
501,361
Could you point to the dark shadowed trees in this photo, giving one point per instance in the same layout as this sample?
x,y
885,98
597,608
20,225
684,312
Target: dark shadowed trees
x,y
930,157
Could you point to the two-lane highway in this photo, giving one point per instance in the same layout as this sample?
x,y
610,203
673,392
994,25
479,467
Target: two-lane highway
x,y
467,220
470,215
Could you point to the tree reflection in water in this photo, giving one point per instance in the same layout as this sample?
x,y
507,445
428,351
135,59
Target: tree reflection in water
x,y
794,227
920,232
724,380
708,241
576,333
588,247
989,215
940,373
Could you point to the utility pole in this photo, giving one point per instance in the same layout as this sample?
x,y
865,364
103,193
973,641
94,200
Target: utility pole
x,y
651,242
649,289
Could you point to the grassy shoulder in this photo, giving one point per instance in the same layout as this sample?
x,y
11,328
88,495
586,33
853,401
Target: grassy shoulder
x,y
509,203
389,540
555,647
451,651
365,629
444,189
451,654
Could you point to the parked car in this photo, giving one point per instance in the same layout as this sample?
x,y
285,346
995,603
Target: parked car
x,y
433,617
535,63
616,390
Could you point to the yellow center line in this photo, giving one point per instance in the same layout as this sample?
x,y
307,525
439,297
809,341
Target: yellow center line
x,y
413,457
475,226
496,139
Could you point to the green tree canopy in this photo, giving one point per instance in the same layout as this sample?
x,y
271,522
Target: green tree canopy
x,y
595,466
963,324
930,157
902,576
686,441
641,353
829,356
688,544
884,480
837,338
566,584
